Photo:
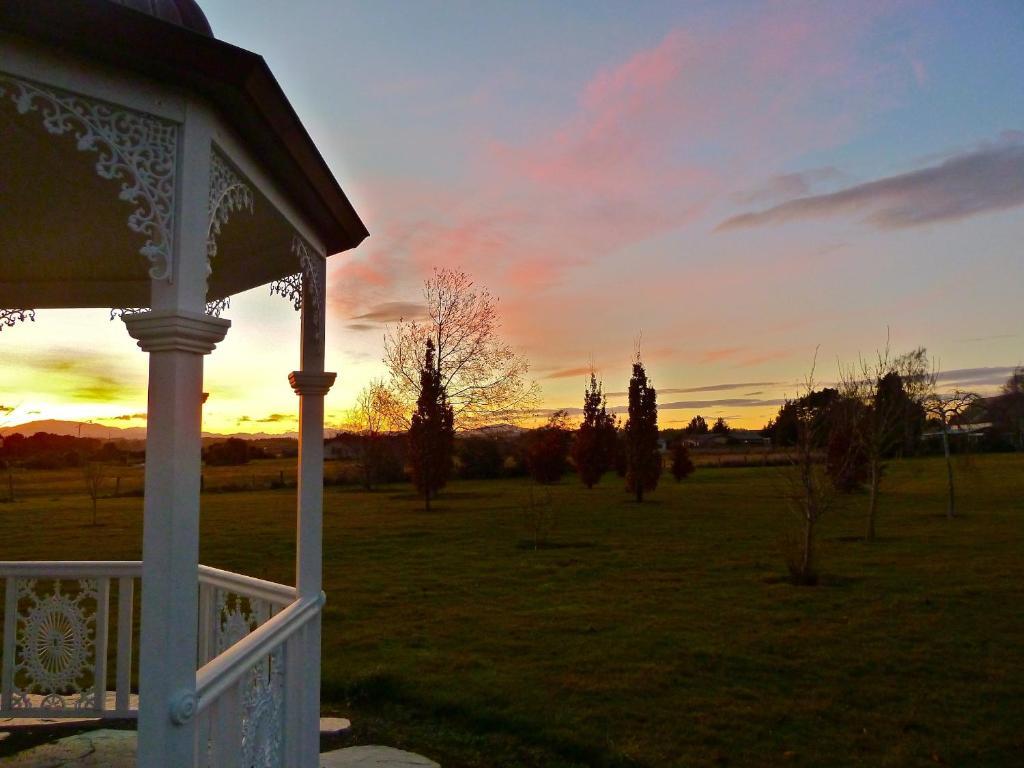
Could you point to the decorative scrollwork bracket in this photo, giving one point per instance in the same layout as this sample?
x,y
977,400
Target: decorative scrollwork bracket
x,y
292,287
11,317
228,194
137,149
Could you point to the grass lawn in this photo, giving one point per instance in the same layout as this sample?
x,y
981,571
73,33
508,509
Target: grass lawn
x,y
655,635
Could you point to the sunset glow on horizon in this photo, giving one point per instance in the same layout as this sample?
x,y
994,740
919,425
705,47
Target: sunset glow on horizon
x,y
736,184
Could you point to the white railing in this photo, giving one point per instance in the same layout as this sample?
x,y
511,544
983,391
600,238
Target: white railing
x,y
57,639
249,706
232,605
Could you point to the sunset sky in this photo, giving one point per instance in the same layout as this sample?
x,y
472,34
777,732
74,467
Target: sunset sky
x,y
740,183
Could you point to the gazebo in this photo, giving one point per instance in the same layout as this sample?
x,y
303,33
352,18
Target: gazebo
x,y
148,168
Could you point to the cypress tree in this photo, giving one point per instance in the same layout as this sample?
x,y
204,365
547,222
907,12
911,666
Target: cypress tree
x,y
594,446
432,432
643,467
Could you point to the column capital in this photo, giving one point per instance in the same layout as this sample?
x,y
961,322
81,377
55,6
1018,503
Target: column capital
x,y
311,382
181,331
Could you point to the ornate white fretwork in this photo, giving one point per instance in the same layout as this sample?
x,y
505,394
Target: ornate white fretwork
x,y
215,308
262,710
291,287
135,148
11,317
117,312
55,657
237,616
228,193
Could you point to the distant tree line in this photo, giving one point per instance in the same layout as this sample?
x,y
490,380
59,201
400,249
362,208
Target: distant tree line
x,y
44,450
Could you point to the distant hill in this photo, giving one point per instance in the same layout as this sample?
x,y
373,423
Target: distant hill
x,y
495,430
103,432
75,429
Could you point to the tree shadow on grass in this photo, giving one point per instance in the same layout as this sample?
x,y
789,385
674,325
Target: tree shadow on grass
x,y
381,703
864,540
438,503
527,544
821,580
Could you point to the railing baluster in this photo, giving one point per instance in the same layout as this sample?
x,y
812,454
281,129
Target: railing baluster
x,y
125,607
203,732
228,728
292,716
205,650
10,638
102,619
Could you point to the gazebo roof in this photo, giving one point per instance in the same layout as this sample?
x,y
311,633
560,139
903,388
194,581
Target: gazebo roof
x,y
169,42
184,13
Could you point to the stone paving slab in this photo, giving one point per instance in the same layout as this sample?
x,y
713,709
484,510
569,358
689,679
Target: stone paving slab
x,y
116,749
374,757
334,726
96,749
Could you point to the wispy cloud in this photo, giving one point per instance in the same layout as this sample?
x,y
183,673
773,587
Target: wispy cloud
x,y
789,185
275,417
569,373
93,377
733,402
976,377
995,337
690,405
987,179
706,388
392,311
123,417
740,357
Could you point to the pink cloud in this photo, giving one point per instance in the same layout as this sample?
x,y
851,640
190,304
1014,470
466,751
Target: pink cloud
x,y
647,148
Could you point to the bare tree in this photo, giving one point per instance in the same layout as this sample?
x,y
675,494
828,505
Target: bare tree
x,y
95,475
377,412
809,491
890,390
947,409
538,516
485,379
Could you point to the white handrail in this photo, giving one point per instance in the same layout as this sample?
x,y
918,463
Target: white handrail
x,y
278,594
222,672
69,569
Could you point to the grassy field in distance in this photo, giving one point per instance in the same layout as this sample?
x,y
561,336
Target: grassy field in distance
x,y
652,635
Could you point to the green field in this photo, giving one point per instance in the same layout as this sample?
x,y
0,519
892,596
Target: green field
x,y
655,635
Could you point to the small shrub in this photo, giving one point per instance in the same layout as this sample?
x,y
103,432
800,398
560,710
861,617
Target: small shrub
x,y
682,464
479,459
548,450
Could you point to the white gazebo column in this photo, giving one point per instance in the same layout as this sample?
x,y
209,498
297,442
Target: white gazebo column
x,y
311,384
177,334
176,342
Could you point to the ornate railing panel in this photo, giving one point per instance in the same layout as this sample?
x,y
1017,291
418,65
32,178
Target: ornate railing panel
x,y
249,713
57,639
60,628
